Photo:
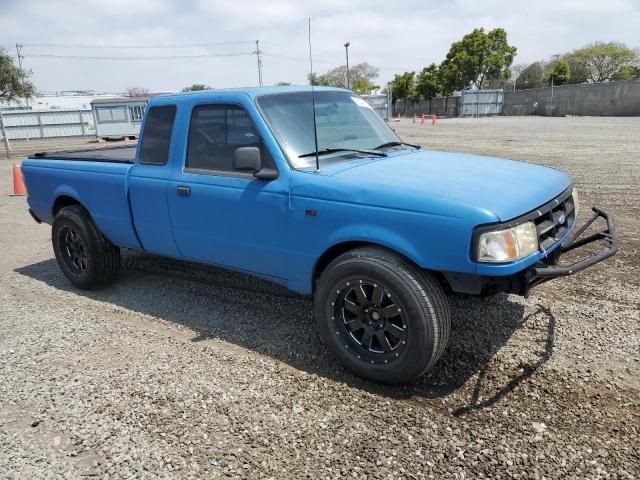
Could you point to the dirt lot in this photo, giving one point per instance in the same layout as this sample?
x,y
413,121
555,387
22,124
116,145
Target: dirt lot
x,y
183,371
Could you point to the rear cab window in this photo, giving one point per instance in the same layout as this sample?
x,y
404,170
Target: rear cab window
x,y
156,137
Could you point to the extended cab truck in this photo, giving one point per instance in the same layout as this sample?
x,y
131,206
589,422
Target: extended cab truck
x,y
376,229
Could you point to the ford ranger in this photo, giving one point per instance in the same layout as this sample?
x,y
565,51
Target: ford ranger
x,y
313,190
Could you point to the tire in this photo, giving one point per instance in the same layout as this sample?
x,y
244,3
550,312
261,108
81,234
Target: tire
x,y
86,257
371,290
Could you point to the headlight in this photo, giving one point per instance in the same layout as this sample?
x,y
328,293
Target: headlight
x,y
576,201
508,245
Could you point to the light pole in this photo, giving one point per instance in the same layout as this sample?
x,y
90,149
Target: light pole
x,y
346,49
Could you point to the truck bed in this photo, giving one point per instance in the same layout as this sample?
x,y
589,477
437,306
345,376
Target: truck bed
x,y
124,154
96,179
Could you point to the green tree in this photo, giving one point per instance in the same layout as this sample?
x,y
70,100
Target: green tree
x,y
283,84
196,87
628,72
603,60
578,72
558,73
361,77
14,82
402,86
531,76
427,84
478,56
314,78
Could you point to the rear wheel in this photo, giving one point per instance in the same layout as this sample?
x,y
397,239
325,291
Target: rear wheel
x,y
383,317
86,257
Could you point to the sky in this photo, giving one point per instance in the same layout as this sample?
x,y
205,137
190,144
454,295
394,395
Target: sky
x,y
219,37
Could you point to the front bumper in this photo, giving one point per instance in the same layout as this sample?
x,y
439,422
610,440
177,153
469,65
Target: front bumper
x,y
548,268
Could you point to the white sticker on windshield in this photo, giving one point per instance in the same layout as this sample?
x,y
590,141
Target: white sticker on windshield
x,y
360,102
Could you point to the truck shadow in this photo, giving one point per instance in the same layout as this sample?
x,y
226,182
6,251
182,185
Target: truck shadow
x,y
271,320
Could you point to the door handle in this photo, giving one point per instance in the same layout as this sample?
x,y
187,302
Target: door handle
x,y
184,191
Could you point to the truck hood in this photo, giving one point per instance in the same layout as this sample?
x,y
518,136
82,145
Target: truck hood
x,y
506,188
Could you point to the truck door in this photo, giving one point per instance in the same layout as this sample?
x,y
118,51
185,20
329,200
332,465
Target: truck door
x,y
148,182
224,216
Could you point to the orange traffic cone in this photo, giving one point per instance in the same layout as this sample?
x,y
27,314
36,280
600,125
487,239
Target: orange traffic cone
x,y
18,184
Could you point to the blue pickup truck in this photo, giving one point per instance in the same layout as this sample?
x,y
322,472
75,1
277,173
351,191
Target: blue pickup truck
x,y
313,190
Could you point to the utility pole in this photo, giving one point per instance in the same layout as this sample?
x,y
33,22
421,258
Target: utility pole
x,y
556,56
20,56
258,52
346,48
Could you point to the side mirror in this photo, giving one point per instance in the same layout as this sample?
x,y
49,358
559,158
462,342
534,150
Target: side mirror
x,y
248,159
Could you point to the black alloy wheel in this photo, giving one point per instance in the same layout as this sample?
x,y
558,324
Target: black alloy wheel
x,y
73,249
372,319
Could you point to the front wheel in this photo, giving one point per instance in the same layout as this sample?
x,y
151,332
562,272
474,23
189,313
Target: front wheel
x,y
383,317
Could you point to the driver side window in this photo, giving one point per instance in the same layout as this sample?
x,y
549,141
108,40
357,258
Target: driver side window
x,y
215,132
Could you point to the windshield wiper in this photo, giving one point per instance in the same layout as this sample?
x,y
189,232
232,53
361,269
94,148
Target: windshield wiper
x,y
326,151
397,144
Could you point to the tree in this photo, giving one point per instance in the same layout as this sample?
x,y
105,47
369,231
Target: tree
x,y
137,91
283,84
578,72
361,77
14,82
628,72
402,86
427,83
531,76
196,87
313,78
603,60
558,73
478,56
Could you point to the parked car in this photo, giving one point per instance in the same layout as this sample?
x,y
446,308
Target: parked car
x,y
333,204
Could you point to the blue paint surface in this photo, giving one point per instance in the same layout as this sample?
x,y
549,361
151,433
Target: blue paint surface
x,y
422,204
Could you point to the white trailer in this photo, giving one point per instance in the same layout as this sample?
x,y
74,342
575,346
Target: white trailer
x,y
117,118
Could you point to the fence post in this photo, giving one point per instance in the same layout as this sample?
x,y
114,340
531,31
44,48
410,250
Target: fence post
x,y
40,125
5,140
84,133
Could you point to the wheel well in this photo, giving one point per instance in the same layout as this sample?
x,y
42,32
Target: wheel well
x,y
62,202
334,252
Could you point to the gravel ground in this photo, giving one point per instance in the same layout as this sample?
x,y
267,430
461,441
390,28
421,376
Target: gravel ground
x,y
184,371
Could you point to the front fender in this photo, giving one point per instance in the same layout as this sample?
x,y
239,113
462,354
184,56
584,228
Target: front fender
x,y
431,241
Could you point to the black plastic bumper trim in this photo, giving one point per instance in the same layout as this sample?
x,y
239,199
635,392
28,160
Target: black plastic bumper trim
x,y
34,216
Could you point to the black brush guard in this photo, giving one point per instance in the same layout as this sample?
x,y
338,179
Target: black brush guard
x,y
548,270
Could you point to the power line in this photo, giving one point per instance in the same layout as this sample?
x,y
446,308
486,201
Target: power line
x,y
129,58
296,59
192,45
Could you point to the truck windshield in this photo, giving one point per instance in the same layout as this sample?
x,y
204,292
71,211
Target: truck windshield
x,y
345,122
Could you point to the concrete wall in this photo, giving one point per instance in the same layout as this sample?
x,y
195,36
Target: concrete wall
x,y
594,99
